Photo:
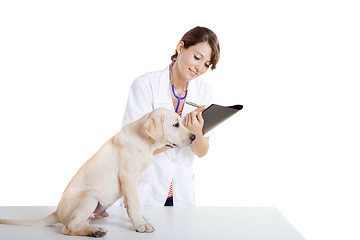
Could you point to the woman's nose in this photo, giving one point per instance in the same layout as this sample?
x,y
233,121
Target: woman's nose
x,y
196,68
199,68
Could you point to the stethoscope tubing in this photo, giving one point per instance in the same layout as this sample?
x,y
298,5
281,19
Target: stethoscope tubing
x,y
174,92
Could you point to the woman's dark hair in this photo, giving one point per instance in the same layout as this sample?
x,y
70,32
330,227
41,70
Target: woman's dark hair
x,y
199,35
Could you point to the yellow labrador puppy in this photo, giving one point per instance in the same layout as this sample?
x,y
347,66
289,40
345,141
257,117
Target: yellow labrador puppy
x,y
115,171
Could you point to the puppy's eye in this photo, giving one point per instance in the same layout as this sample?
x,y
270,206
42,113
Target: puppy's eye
x,y
176,125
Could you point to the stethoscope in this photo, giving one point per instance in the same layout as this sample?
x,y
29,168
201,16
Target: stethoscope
x,y
179,98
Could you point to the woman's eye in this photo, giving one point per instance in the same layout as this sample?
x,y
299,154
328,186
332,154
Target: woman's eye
x,y
196,57
176,125
207,65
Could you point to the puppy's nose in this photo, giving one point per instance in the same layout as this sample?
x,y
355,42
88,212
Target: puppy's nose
x,y
192,137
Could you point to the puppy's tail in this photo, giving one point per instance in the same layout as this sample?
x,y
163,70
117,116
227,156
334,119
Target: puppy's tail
x,y
43,222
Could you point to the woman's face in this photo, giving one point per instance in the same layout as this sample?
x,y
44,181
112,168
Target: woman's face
x,y
193,61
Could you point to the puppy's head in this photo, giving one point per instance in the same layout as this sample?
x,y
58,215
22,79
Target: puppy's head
x,y
165,127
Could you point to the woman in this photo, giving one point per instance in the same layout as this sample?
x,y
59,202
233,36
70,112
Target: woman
x,y
169,180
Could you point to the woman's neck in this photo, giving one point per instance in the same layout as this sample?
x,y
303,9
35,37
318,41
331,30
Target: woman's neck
x,y
180,83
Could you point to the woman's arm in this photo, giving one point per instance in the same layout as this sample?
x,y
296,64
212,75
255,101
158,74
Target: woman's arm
x,y
195,122
200,146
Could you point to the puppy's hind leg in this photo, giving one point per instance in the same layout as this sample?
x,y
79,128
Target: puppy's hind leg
x,y
79,224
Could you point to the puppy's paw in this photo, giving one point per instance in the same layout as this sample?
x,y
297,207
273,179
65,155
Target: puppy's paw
x,y
145,218
146,227
99,232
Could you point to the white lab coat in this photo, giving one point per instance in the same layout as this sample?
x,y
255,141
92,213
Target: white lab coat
x,y
147,93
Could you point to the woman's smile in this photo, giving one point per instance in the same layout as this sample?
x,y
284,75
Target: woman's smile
x,y
193,72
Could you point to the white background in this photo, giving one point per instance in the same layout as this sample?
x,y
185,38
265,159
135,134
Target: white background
x,y
66,68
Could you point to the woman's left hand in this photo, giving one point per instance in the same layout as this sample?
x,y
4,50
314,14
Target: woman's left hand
x,y
194,121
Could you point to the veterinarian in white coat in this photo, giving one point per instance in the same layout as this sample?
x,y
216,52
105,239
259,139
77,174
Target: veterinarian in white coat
x,y
195,53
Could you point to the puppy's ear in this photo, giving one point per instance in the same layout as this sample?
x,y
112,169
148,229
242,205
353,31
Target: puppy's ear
x,y
155,129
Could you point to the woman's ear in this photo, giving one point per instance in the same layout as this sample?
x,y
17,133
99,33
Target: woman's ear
x,y
180,47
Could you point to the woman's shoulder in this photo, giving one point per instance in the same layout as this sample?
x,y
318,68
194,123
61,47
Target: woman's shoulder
x,y
149,77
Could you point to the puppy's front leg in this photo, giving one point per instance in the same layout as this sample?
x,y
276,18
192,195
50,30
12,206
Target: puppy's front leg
x,y
129,186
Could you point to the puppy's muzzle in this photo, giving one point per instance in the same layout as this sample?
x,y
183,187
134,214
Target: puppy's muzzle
x,y
172,145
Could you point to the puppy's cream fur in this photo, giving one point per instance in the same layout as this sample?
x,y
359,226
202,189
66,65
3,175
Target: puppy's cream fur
x,y
114,172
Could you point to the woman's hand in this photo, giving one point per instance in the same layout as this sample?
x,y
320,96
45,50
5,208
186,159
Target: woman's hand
x,y
195,122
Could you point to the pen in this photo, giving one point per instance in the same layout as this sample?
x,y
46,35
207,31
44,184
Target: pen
x,y
192,104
